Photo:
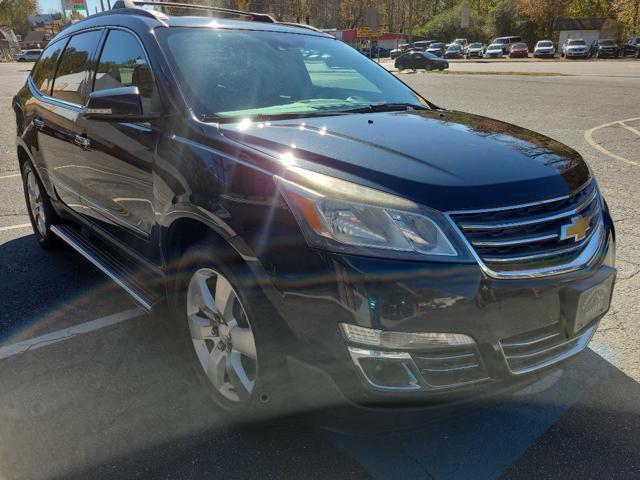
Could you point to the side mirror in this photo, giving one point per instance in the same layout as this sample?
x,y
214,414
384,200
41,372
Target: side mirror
x,y
122,104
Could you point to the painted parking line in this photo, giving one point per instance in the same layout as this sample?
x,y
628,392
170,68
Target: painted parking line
x,y
631,129
15,227
13,175
67,333
588,136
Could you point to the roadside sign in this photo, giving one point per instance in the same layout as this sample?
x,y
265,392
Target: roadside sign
x,y
364,32
372,18
79,5
465,14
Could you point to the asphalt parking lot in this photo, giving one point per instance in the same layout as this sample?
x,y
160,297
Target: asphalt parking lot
x,y
90,387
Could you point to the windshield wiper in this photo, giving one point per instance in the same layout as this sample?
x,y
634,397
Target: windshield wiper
x,y
387,107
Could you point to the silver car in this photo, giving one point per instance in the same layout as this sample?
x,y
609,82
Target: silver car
x,y
544,49
28,55
575,48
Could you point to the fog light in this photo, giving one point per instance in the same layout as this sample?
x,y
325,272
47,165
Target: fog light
x,y
386,370
402,340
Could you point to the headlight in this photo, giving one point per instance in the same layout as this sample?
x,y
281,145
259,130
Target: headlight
x,y
342,216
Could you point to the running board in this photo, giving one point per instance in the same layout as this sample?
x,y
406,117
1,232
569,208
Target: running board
x,y
115,270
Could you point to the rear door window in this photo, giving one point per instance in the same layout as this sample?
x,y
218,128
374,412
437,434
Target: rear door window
x,y
45,69
75,64
123,63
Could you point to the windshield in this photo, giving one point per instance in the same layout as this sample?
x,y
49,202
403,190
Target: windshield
x,y
545,44
230,73
437,45
494,46
519,45
576,42
607,43
500,41
454,46
475,45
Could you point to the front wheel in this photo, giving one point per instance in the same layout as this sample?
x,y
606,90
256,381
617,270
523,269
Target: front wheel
x,y
229,329
41,213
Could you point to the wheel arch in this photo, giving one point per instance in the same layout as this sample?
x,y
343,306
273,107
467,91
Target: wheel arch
x,y
186,228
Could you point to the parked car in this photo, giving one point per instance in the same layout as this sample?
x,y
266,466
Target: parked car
x,y
399,255
604,49
494,51
453,51
575,48
519,50
631,47
436,48
506,42
475,50
417,60
28,55
544,49
402,48
422,45
460,41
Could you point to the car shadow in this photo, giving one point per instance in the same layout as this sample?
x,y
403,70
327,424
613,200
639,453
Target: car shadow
x,y
46,290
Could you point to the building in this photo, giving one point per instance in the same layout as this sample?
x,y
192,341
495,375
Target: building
x,y
589,29
35,39
388,40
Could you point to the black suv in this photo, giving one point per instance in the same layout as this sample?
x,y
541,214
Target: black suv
x,y
307,216
631,47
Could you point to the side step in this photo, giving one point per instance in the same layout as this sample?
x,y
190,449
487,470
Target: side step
x,y
114,269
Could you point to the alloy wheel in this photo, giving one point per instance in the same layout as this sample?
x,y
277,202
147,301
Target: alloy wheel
x,y
222,336
36,203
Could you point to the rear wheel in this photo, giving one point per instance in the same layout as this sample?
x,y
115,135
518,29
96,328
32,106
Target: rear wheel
x,y
41,213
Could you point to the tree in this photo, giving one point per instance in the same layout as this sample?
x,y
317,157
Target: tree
x,y
15,14
544,13
628,13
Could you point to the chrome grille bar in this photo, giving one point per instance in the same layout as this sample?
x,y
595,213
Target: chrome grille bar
x,y
525,241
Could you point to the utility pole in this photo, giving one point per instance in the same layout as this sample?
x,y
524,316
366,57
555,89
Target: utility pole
x,y
410,22
102,5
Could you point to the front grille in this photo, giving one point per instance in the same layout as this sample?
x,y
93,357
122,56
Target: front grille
x,y
525,237
539,348
450,366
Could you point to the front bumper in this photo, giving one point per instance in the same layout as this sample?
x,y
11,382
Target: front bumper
x,y
570,54
519,326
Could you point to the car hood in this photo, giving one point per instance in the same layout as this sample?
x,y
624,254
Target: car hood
x,y
445,160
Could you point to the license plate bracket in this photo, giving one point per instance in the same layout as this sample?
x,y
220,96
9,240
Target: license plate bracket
x,y
585,302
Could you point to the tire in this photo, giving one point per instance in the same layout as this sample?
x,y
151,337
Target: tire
x,y
637,53
400,68
41,213
246,388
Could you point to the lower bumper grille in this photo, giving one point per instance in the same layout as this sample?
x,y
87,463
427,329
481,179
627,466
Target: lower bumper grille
x,y
540,348
450,367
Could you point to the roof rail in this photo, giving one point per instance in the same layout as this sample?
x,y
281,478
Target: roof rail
x,y
258,17
301,25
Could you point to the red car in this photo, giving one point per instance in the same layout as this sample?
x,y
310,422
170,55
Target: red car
x,y
519,50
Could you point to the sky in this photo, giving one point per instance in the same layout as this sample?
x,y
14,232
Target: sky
x,y
49,6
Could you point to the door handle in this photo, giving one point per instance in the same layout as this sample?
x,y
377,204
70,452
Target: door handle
x,y
38,122
81,140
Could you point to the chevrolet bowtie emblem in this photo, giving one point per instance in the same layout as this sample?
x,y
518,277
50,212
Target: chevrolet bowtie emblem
x,y
577,229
